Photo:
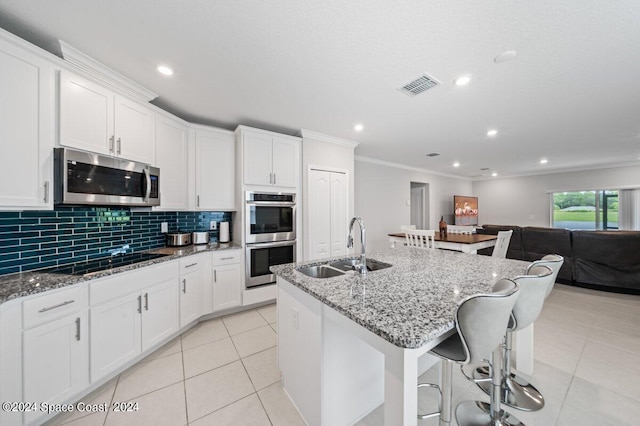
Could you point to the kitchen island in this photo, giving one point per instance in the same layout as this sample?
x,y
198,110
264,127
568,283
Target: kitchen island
x,y
347,344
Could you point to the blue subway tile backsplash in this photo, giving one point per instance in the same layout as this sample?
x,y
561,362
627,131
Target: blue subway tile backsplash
x,y
40,239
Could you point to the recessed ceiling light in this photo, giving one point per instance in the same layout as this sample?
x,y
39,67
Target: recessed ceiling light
x,y
164,70
544,161
492,132
463,80
358,127
505,56
494,174
456,164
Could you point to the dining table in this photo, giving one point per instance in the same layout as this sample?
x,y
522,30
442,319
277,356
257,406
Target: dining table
x,y
466,243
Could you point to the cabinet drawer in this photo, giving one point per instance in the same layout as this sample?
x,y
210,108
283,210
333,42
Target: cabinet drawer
x,y
119,285
49,307
227,257
190,264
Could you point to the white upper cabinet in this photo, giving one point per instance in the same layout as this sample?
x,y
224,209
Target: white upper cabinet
x,y
172,159
93,118
215,170
270,159
27,128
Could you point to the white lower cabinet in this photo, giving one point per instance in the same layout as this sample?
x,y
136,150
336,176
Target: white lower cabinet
x,y
195,274
56,348
227,280
128,325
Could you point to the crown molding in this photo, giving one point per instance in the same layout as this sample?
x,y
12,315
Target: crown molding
x,y
405,167
326,138
104,74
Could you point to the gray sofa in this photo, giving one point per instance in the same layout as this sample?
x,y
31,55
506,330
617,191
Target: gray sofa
x,y
603,260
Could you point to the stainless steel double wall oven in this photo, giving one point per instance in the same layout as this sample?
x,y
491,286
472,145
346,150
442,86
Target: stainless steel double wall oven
x,y
270,234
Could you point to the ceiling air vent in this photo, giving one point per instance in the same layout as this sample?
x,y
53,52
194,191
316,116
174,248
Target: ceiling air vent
x,y
432,154
419,85
484,169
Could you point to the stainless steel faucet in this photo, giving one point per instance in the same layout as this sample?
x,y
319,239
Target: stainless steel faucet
x,y
362,267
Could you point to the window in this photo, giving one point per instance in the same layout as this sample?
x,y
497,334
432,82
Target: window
x,y
585,210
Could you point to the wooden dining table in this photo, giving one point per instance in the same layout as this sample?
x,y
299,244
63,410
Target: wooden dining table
x,y
466,243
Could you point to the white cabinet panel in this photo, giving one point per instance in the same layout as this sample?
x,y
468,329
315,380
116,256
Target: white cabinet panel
x,y
115,334
227,287
95,119
56,361
215,171
159,313
195,273
258,166
285,162
27,128
172,159
86,115
270,160
134,131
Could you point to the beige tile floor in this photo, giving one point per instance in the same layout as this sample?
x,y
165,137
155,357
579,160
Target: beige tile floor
x,y
224,371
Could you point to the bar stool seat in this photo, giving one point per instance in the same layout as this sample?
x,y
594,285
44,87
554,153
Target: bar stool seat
x,y
516,391
481,322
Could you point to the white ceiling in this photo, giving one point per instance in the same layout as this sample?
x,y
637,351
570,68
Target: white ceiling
x,y
571,94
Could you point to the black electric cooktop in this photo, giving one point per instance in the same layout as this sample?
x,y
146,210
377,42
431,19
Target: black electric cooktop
x,y
104,264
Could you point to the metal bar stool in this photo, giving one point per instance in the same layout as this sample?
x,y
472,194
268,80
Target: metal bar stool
x,y
481,322
516,391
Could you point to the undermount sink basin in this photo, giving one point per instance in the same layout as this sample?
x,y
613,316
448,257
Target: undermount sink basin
x,y
339,267
349,264
320,271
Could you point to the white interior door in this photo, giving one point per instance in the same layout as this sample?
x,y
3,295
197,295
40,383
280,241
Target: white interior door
x,y
319,214
339,213
417,207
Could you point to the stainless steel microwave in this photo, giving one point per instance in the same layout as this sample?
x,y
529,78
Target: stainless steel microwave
x,y
87,178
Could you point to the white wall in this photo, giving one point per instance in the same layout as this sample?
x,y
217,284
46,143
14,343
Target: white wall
x,y
525,201
383,190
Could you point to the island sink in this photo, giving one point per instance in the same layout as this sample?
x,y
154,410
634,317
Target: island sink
x,y
340,267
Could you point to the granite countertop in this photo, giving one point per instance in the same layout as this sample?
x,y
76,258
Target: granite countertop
x,y
22,284
413,301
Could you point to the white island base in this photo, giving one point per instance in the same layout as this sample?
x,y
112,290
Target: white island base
x,y
336,372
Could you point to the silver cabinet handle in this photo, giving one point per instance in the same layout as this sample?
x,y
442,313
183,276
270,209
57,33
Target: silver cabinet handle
x,y
146,301
56,306
274,178
119,146
111,145
78,329
193,264
184,285
215,276
139,304
46,192
197,201
226,258
271,178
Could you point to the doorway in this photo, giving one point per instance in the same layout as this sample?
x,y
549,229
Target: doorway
x,y
420,205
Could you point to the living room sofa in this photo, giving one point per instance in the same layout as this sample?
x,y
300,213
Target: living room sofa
x,y
604,260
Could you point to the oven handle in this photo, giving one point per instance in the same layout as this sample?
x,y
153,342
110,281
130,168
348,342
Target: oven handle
x,y
271,244
272,203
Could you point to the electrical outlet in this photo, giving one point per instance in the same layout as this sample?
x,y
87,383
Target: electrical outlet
x,y
164,227
294,318
213,225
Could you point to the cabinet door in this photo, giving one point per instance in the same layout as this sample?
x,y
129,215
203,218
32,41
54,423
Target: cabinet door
x,y
191,301
115,334
285,162
27,109
215,171
86,115
319,214
160,317
339,213
56,361
171,158
257,158
134,131
227,287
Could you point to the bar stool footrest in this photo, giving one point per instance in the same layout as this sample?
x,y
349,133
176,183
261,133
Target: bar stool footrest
x,y
476,413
